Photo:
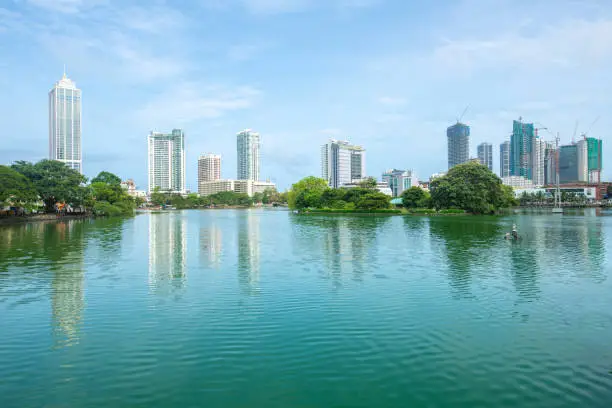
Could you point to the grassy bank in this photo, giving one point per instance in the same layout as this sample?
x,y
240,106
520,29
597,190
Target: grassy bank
x,y
347,211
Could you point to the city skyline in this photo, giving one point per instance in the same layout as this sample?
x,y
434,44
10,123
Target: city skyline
x,y
296,87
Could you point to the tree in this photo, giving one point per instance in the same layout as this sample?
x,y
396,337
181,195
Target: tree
x,y
258,197
157,197
373,200
609,190
307,192
368,182
15,188
471,187
107,178
416,197
54,181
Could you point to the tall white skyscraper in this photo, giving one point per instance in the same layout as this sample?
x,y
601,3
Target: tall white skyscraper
x,y
247,149
65,124
342,163
167,161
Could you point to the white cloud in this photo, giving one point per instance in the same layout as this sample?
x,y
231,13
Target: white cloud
x,y
153,20
276,6
188,102
567,44
246,52
391,101
66,6
331,132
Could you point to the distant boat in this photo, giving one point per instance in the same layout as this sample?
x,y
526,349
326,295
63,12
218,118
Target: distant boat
x,y
557,210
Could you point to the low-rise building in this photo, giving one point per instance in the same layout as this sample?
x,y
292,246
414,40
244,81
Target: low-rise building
x,y
248,187
206,188
381,186
399,180
518,182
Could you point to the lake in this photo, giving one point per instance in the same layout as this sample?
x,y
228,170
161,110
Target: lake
x,y
263,308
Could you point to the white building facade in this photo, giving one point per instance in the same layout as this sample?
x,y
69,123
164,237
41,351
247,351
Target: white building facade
x,y
400,180
247,149
65,124
248,187
538,157
342,163
166,161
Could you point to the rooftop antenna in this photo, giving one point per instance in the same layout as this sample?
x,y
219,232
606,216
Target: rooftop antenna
x,y
575,129
64,71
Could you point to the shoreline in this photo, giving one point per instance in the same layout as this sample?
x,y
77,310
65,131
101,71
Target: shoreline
x,y
41,218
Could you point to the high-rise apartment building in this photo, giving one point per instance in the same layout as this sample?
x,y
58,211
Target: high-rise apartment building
x,y
538,156
521,147
65,124
342,163
594,147
247,148
504,159
209,167
550,164
458,137
167,161
485,155
573,163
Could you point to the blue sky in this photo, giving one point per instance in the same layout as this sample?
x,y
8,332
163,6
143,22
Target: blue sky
x,y
390,75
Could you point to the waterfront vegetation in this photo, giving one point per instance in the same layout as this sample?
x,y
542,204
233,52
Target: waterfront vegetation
x,y
313,194
467,188
39,186
221,199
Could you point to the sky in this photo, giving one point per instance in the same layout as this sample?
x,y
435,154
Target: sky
x,y
390,75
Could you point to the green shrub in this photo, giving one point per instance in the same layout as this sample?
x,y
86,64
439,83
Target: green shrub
x,y
422,211
451,211
105,209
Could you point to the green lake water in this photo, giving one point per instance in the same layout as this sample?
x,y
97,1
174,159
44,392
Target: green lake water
x,y
262,308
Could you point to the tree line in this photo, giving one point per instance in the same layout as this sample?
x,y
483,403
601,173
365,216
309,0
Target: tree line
x,y
224,198
469,187
314,193
47,183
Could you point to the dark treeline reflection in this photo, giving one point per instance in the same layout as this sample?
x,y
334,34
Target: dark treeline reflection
x,y
466,243
48,259
345,246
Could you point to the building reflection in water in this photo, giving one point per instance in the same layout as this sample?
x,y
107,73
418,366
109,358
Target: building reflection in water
x,y
64,244
167,251
211,245
346,242
248,250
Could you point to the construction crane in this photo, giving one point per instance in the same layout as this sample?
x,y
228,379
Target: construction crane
x,y
584,135
575,130
462,114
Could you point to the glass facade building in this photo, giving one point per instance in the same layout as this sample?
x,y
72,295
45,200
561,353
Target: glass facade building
x,y
485,155
247,149
400,180
166,157
521,148
65,124
504,159
458,139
